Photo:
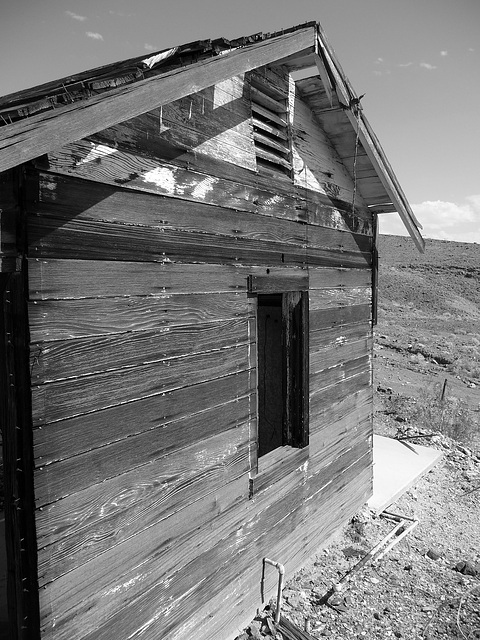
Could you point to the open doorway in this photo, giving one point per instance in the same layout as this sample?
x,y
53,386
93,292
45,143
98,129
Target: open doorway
x,y
282,341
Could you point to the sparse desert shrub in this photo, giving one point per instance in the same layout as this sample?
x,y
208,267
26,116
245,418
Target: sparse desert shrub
x,y
467,366
451,416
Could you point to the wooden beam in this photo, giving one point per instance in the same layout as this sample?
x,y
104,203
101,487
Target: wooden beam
x,y
322,71
33,137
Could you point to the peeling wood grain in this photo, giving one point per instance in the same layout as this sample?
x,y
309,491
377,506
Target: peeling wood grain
x,y
87,356
66,319
66,477
68,398
73,436
67,199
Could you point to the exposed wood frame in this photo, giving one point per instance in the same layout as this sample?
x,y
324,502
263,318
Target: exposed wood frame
x,y
323,73
35,136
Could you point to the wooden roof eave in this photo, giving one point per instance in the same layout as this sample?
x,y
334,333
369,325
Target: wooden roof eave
x,y
37,135
370,143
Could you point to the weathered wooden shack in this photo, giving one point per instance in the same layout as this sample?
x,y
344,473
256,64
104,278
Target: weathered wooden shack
x,y
188,289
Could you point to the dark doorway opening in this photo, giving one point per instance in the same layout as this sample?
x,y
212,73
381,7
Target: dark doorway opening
x,y
282,339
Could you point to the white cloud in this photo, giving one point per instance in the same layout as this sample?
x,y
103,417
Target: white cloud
x,y
444,53
405,64
149,47
379,61
441,220
75,16
120,14
93,35
427,65
471,49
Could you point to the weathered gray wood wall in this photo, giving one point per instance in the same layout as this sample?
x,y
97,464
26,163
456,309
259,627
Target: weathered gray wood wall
x,y
144,369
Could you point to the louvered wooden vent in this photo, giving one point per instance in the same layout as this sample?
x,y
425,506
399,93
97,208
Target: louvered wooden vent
x,y
270,127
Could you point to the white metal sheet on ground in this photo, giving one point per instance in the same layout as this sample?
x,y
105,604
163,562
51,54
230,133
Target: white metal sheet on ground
x,y
397,466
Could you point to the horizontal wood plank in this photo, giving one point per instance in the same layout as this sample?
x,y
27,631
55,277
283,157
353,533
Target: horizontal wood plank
x,y
69,279
342,351
340,297
54,279
324,278
92,240
87,523
340,371
335,336
69,198
339,316
68,398
71,437
65,477
117,535
86,356
66,319
338,240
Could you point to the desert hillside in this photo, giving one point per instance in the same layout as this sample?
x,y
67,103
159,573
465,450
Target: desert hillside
x,y
429,319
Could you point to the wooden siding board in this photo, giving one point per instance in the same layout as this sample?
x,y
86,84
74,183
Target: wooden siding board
x,y
65,477
339,316
325,397
66,438
87,356
207,184
339,297
66,319
68,398
78,239
79,527
69,198
336,277
338,258
335,336
342,351
85,596
338,240
61,279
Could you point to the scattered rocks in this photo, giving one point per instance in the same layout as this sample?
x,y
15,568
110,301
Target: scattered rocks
x,y
467,568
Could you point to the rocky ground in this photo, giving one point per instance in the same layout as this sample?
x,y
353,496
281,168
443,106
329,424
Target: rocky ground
x,y
427,389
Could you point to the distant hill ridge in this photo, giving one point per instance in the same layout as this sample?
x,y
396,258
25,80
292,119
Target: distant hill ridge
x,y
443,283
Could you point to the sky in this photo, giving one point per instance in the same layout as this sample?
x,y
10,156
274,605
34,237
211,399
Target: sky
x,y
416,61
